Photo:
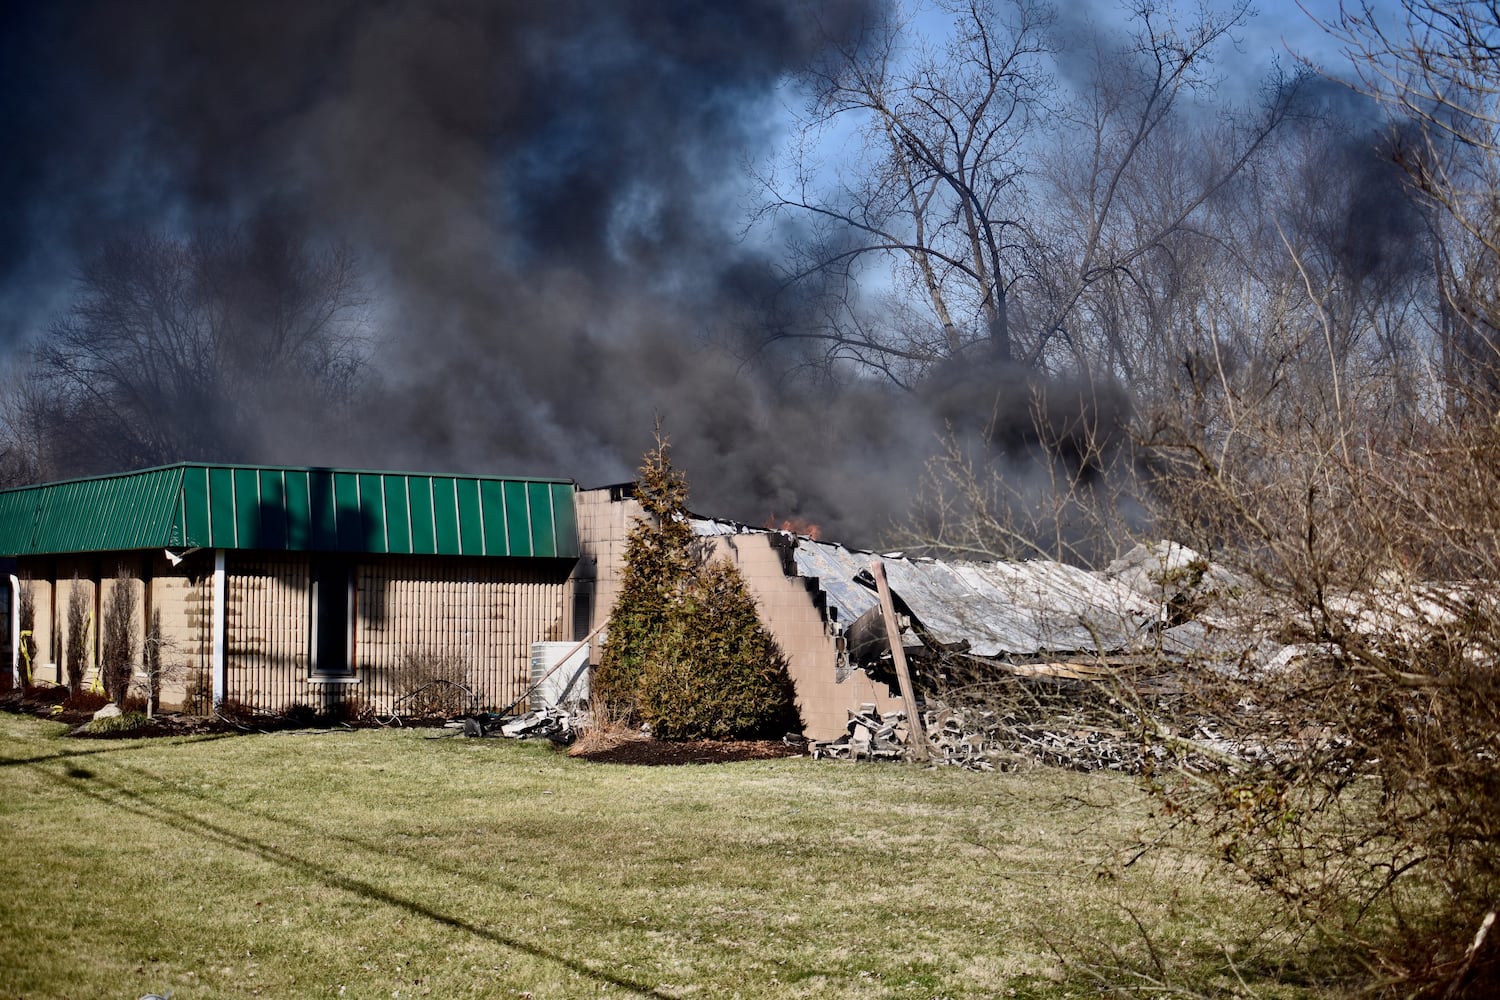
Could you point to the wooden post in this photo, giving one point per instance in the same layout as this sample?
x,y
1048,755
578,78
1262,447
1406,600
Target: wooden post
x,y
898,656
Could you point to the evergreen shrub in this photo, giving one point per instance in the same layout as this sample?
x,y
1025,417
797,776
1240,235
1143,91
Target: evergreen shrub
x,y
686,652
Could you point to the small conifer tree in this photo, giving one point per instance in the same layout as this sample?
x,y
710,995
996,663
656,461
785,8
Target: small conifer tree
x,y
658,564
78,637
686,651
719,673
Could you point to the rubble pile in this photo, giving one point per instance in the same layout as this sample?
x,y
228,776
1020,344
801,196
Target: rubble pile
x,y
871,736
1076,746
984,740
546,723
1079,738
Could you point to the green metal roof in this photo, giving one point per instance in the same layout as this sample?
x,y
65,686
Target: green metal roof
x,y
290,509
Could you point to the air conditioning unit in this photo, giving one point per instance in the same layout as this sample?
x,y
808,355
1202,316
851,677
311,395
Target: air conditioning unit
x,y
567,684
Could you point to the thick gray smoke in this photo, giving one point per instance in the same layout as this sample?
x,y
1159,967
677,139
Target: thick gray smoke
x,y
545,198
1368,223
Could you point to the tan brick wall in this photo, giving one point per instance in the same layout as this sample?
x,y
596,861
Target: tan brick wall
x,y
184,595
44,667
266,628
788,607
182,599
487,613
602,529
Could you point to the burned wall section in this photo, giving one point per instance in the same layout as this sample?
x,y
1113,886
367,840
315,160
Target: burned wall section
x,y
792,606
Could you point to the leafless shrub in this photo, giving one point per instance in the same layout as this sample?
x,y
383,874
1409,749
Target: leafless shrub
x,y
1364,789
155,670
79,616
601,732
117,653
433,683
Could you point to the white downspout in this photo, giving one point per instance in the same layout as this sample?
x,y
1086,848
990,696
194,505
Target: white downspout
x,y
15,631
217,661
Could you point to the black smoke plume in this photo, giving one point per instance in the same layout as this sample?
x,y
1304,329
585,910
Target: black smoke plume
x,y
546,200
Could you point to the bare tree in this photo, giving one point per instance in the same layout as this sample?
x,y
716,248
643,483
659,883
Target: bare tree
x,y
196,348
1434,64
935,197
117,653
1144,150
987,198
23,456
155,670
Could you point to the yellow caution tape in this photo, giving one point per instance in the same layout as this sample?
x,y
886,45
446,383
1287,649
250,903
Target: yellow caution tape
x,y
97,687
26,657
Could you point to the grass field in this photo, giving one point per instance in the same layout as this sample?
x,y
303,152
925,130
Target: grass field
x,y
393,864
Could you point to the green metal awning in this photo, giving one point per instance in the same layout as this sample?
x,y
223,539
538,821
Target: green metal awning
x,y
193,505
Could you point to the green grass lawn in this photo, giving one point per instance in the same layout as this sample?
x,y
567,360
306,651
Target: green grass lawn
x,y
393,864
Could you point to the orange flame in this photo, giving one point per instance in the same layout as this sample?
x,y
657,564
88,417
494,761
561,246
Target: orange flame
x,y
794,525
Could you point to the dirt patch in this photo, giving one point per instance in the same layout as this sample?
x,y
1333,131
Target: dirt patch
x,y
53,703
665,753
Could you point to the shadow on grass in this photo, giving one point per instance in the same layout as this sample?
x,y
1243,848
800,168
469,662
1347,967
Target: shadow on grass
x,y
413,858
320,833
118,796
1139,959
151,743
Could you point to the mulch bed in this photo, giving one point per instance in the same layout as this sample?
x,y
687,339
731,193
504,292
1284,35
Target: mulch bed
x,y
54,703
668,753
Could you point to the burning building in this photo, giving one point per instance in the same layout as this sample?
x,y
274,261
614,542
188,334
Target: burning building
x,y
816,597
278,587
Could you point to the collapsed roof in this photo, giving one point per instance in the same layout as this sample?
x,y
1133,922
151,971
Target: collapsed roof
x,y
1009,610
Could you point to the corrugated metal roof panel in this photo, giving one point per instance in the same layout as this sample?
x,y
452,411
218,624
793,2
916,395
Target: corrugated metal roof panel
x,y
423,517
292,509
398,532
77,515
564,517
517,517
995,609
470,521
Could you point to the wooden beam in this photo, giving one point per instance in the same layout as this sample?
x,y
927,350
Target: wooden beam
x,y
898,656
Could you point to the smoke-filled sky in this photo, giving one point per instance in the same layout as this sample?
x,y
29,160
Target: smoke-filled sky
x,y
547,200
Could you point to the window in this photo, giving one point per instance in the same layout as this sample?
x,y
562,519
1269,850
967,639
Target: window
x,y
331,617
6,663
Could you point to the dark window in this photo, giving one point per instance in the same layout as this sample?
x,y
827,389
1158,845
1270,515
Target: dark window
x,y
6,672
332,595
